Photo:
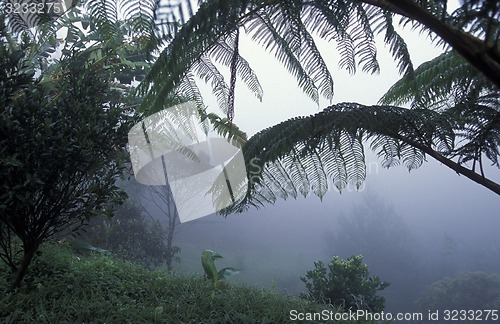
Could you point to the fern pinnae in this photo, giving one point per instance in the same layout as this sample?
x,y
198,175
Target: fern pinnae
x,y
318,176
355,158
222,53
298,172
278,182
274,42
205,69
315,65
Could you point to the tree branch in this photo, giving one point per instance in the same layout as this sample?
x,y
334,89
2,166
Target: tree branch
x,y
482,57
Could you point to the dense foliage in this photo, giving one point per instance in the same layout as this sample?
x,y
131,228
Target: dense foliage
x,y
130,235
64,287
62,136
345,283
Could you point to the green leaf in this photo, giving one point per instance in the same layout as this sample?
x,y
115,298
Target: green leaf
x,y
227,272
207,261
80,245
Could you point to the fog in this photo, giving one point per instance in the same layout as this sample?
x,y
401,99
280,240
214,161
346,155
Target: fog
x,y
413,228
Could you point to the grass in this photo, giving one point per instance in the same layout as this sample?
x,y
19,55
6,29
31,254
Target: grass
x,y
62,287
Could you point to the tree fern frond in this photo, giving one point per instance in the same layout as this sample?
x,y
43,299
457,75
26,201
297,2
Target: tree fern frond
x,y
364,38
204,69
212,21
318,179
388,149
189,90
355,159
298,173
397,47
314,64
479,18
434,81
223,51
226,129
330,144
105,14
263,31
275,174
345,47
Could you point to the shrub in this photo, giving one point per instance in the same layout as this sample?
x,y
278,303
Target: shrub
x,y
347,284
467,291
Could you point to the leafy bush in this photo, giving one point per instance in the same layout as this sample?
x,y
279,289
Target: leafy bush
x,y
129,235
62,287
467,291
347,284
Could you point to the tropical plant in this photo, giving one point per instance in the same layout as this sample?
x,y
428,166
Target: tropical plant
x,y
345,283
208,258
286,28
62,140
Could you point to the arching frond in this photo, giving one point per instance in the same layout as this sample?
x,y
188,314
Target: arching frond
x,y
206,70
450,85
310,153
263,30
213,20
226,129
397,45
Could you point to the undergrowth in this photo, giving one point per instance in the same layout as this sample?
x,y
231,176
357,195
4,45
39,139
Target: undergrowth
x,y
62,287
